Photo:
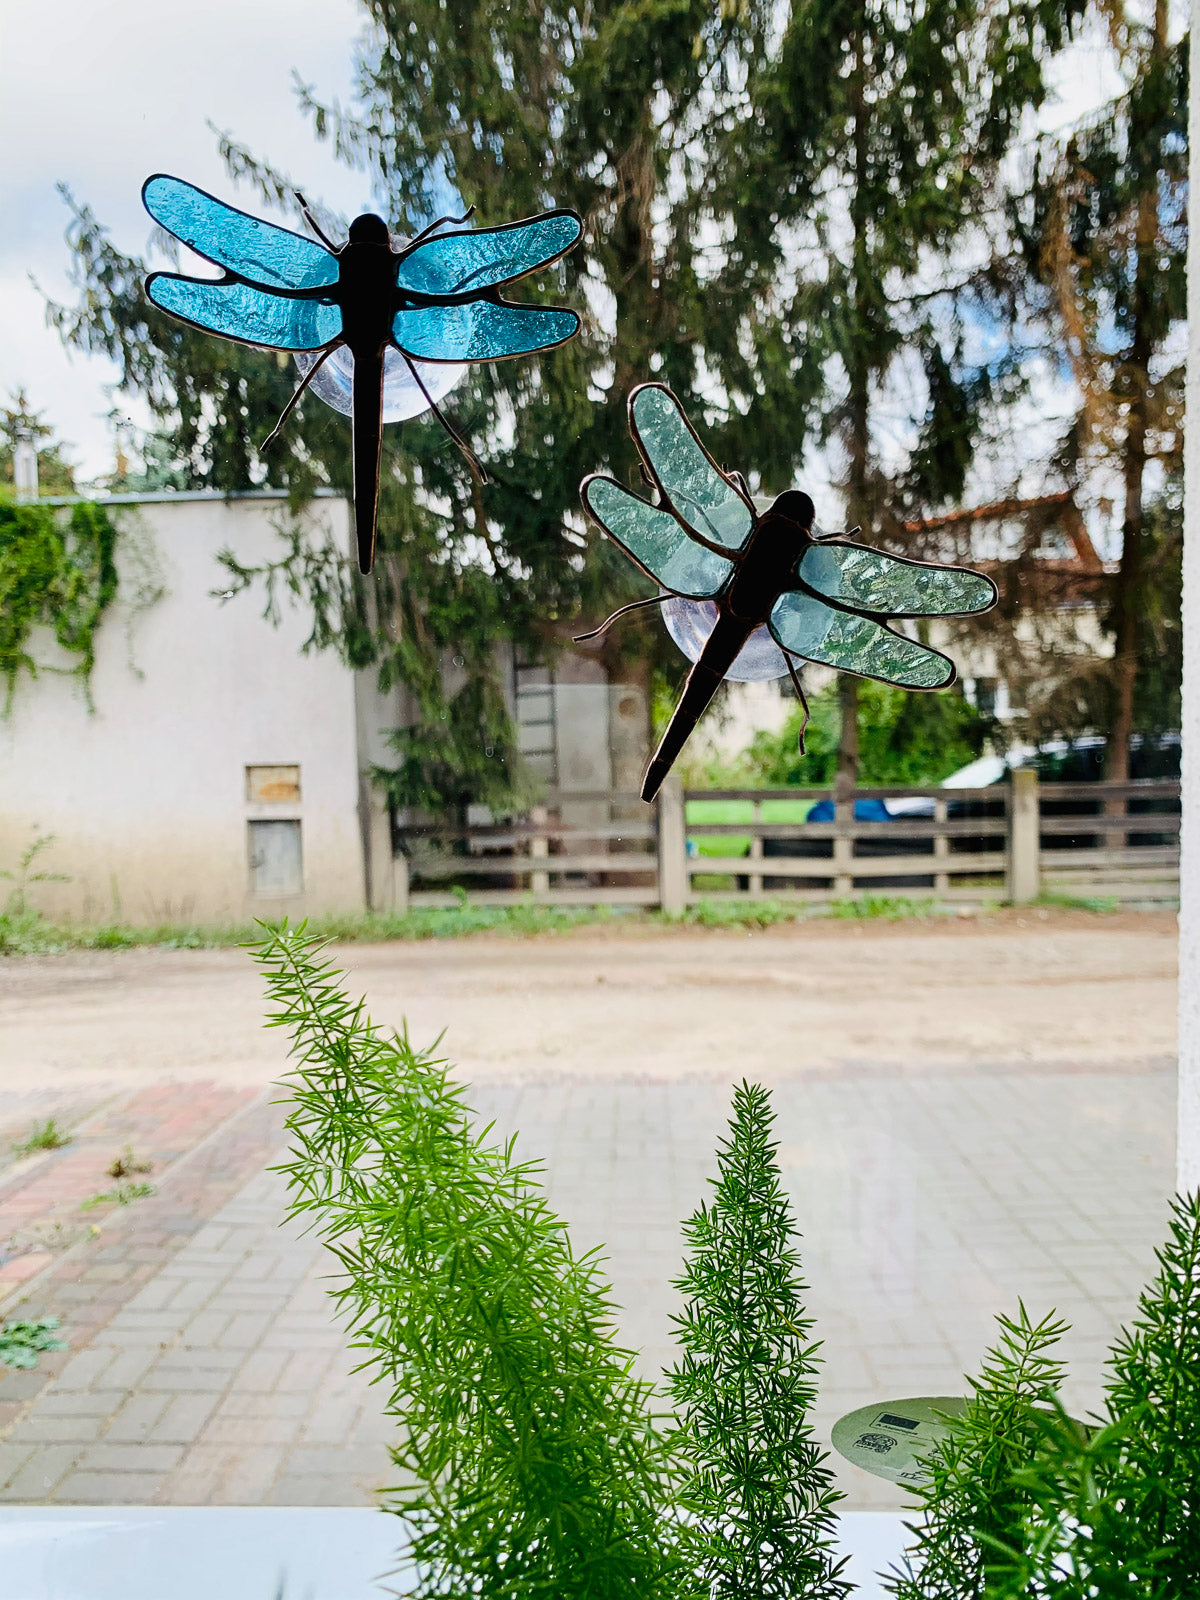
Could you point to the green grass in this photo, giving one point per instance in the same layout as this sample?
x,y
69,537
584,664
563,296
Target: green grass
x,y
882,907
42,1136
726,811
34,935
22,1342
1070,902
739,914
123,1195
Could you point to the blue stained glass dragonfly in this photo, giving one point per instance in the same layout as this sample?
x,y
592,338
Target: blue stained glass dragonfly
x,y
434,298
743,586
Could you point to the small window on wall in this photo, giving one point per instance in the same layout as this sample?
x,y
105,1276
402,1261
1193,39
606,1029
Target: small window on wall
x,y
985,696
275,860
267,786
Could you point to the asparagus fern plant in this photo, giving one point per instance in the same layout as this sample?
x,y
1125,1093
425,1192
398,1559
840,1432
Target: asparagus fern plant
x,y
975,1508
758,1485
534,1460
535,1464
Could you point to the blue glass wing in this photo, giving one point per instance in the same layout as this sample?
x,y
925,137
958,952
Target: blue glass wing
x,y
689,478
842,639
239,311
893,586
480,330
484,258
258,251
655,540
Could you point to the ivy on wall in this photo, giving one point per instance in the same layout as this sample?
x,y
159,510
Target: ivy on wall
x,y
57,572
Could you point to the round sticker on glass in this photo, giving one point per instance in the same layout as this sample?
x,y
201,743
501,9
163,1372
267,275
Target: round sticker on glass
x,y
890,1439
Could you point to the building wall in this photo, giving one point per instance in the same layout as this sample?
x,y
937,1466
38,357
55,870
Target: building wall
x,y
579,733
1052,638
146,794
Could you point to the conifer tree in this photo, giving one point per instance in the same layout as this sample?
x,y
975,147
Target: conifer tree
x,y
1102,228
878,135
625,112
55,473
745,1387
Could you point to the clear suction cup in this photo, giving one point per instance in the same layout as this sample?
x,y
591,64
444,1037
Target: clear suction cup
x,y
689,622
402,397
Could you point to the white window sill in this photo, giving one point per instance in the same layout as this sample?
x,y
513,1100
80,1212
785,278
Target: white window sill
x,y
262,1553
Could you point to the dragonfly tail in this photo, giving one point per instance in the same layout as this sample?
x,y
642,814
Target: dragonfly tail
x,y
721,650
367,442
701,685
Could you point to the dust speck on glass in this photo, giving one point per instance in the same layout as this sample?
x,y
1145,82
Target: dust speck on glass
x,y
749,595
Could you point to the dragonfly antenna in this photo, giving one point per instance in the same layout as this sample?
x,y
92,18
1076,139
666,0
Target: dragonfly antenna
x,y
291,405
473,460
800,695
636,605
312,221
432,227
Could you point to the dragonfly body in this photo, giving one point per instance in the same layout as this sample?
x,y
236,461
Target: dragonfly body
x,y
775,546
826,600
365,291
435,298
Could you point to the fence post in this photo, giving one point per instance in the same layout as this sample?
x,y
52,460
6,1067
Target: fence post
x,y
378,849
400,884
673,879
1024,837
756,849
941,848
539,882
843,843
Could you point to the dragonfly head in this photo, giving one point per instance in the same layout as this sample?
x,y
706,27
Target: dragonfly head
x,y
795,506
369,229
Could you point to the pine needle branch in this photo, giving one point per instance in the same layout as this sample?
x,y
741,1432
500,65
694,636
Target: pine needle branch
x,y
760,1491
533,1463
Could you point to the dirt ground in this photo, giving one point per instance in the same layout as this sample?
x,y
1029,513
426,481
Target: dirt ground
x,y
1010,988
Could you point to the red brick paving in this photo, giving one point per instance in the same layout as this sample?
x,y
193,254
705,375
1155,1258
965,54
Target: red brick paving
x,y
205,1143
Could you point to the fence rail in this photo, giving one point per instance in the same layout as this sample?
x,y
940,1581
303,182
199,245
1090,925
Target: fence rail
x,y
1012,841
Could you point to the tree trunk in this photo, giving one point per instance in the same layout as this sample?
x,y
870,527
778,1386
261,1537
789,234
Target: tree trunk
x,y
847,767
858,438
1134,377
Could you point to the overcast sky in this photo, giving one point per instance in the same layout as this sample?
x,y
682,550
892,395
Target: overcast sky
x,y
98,94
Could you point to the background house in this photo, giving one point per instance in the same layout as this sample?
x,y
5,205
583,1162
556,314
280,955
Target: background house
x,y
1049,622
219,771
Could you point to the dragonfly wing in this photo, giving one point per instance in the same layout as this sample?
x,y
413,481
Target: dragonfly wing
x,y
893,586
689,478
485,258
258,251
808,627
480,330
241,312
655,541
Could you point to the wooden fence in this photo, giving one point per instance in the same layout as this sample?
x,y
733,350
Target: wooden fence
x,y
1013,841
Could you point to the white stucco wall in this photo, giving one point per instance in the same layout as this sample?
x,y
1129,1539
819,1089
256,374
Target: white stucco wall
x,y
146,794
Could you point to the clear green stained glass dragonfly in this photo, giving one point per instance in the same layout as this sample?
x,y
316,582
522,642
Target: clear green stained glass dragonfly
x,y
748,594
409,313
